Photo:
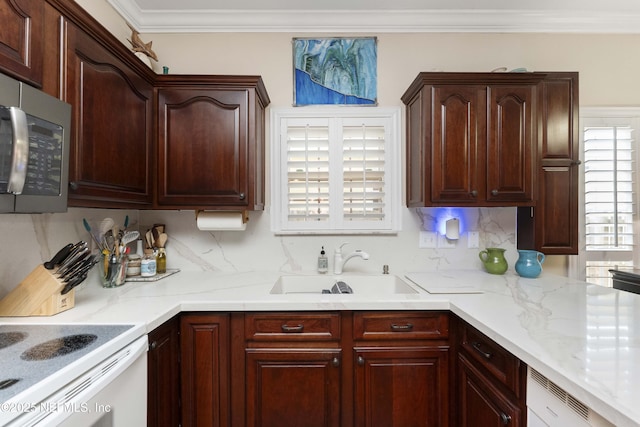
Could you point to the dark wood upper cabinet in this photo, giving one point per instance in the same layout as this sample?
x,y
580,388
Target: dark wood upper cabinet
x,y
22,39
112,126
471,139
211,142
552,226
498,139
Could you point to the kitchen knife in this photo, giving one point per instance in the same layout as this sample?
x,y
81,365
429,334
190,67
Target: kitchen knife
x,y
78,265
73,283
72,258
58,257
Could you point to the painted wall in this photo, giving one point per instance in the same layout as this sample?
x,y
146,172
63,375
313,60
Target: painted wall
x,y
607,69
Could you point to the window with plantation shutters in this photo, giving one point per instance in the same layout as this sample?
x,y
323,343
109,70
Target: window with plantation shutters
x,y
335,170
610,201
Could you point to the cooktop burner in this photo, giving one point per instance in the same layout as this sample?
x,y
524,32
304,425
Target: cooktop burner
x,y
58,347
30,353
10,338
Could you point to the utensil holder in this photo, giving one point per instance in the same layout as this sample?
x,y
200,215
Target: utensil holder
x,y
39,294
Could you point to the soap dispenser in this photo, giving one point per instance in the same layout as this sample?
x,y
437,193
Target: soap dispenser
x,y
323,262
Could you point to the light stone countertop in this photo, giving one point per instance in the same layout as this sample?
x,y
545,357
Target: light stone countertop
x,y
583,337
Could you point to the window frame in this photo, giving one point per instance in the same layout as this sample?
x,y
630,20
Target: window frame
x,y
577,264
280,225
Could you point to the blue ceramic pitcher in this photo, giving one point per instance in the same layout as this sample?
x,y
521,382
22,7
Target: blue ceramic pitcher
x,y
529,263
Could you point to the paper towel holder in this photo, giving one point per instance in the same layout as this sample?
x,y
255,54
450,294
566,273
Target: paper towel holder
x,y
244,215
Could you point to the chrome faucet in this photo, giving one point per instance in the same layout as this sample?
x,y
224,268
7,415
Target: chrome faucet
x,y
339,261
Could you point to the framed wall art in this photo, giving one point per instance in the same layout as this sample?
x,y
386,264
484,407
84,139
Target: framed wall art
x,y
335,71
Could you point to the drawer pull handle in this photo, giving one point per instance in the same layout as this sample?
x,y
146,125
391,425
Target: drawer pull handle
x,y
476,346
506,419
335,362
360,361
292,329
402,328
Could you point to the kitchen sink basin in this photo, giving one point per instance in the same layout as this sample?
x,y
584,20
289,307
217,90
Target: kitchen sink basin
x,y
360,284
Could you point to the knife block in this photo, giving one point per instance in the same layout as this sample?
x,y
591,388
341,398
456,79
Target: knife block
x,y
37,295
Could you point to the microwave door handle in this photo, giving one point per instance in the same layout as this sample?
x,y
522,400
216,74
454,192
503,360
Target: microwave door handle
x,y
20,158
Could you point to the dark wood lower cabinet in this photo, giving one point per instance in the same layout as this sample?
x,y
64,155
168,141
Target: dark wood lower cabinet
x,y
293,387
205,370
331,369
481,403
163,367
401,386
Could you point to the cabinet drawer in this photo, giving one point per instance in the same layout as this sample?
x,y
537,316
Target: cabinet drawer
x,y
400,325
292,326
502,365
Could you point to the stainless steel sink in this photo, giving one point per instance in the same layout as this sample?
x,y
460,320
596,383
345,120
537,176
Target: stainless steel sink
x,y
360,284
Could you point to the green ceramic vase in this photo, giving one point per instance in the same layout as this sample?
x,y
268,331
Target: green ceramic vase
x,y
494,260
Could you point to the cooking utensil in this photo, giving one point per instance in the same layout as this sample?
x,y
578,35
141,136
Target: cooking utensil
x,y
93,236
58,257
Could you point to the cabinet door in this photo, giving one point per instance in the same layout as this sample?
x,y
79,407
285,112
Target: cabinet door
x,y
552,227
203,147
112,125
205,370
163,394
456,153
510,139
481,403
293,387
22,39
402,386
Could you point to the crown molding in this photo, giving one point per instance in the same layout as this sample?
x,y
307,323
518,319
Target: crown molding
x,y
376,21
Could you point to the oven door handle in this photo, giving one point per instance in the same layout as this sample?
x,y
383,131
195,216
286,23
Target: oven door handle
x,y
20,149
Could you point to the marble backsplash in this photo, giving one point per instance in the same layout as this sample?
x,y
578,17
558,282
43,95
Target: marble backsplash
x,y
33,239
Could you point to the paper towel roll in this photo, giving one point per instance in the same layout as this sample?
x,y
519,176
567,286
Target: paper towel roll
x,y
453,229
221,221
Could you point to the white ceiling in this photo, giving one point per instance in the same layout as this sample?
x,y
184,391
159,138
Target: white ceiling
x,y
566,16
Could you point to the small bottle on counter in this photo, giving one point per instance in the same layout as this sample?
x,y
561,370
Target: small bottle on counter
x,y
148,264
161,261
323,262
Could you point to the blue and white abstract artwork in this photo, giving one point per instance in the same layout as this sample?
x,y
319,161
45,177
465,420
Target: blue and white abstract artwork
x,y
335,71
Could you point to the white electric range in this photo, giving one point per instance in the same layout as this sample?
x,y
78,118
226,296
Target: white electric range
x,y
71,374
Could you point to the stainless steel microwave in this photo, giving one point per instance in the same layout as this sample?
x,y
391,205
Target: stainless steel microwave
x,y
34,149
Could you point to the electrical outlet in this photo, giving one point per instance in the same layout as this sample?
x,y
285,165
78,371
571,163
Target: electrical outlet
x,y
445,243
473,240
427,239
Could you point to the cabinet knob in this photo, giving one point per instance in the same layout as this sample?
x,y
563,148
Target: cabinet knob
x,y
360,361
474,193
494,192
153,345
241,196
575,163
73,185
335,362
506,419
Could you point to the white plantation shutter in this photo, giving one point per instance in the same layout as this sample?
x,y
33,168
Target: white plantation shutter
x,y
307,168
610,207
363,162
335,171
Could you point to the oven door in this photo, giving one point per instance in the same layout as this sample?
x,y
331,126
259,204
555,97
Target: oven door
x,y
112,394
